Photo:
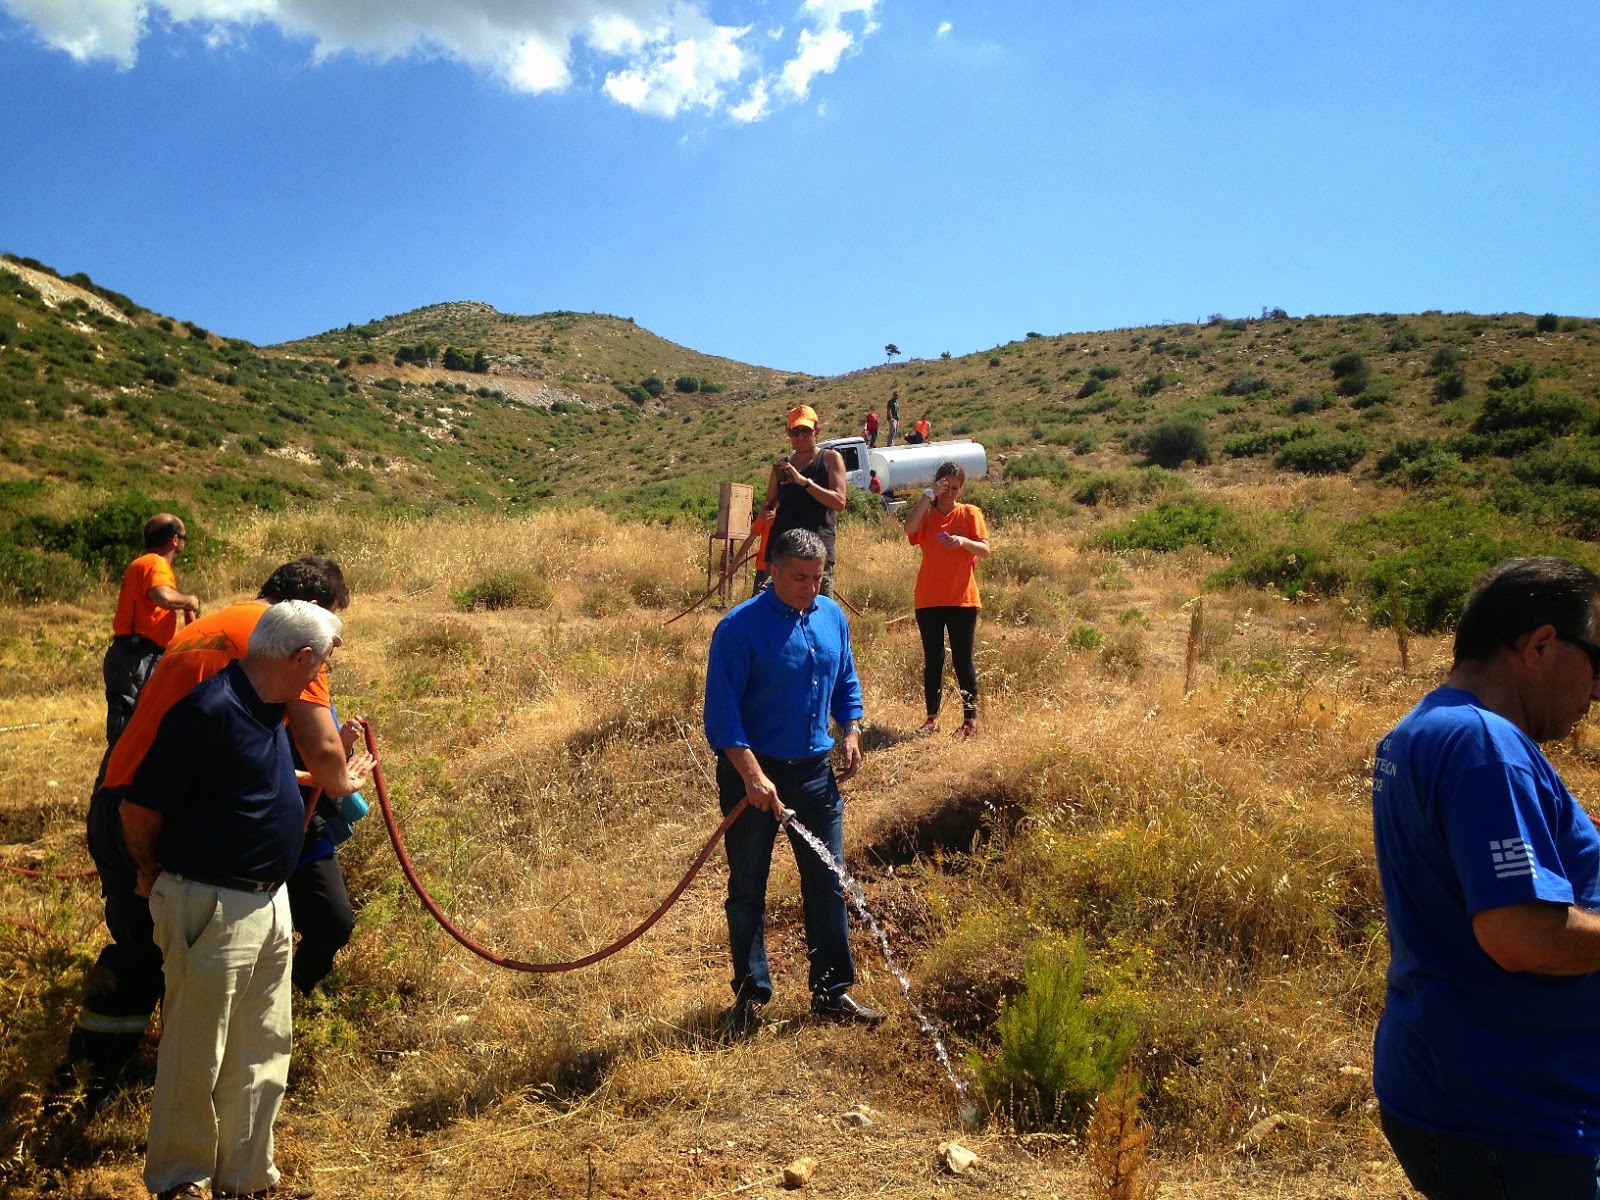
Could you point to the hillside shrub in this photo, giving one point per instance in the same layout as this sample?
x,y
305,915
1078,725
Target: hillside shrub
x,y
653,385
1267,441
1528,407
505,587
1509,376
1293,568
1058,1049
1010,504
1090,386
1155,382
1414,461
1120,488
37,577
1451,385
1351,371
1446,358
1308,402
1321,454
1173,524
1038,464
1175,442
687,384
1547,323
108,538
1246,385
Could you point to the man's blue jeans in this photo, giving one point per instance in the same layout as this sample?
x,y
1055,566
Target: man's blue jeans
x,y
807,787
1443,1166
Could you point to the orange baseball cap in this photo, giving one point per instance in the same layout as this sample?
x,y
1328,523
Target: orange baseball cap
x,y
802,414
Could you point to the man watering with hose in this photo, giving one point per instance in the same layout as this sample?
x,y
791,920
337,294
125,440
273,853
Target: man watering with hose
x,y
780,667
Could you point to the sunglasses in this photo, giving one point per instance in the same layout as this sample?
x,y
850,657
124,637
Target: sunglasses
x,y
1588,647
797,430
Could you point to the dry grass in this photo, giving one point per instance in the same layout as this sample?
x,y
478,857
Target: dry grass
x,y
549,774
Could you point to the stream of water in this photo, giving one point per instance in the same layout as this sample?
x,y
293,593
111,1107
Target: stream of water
x,y
858,898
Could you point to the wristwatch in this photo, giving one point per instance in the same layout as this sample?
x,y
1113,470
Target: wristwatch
x,y
928,492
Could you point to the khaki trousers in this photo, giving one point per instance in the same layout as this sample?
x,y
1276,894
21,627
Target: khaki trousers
x,y
225,1037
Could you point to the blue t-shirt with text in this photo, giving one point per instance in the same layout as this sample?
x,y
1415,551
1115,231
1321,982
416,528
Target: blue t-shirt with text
x,y
1469,815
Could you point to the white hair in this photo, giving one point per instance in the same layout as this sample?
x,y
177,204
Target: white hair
x,y
289,626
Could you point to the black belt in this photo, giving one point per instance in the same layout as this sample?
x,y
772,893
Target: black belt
x,y
137,637
235,882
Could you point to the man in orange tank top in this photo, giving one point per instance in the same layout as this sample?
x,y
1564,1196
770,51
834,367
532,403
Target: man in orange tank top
x,y
147,616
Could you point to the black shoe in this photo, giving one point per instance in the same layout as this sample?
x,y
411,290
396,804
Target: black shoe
x,y
743,1019
843,1009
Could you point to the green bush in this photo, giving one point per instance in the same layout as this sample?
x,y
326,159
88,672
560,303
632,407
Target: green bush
x,y
1038,464
1321,454
1352,373
687,384
1173,524
1450,385
653,385
36,577
1294,568
1175,442
1246,385
1306,402
1548,323
506,587
1058,1050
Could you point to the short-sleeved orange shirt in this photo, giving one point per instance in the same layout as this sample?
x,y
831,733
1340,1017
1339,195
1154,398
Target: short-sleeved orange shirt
x,y
948,575
762,528
136,612
197,652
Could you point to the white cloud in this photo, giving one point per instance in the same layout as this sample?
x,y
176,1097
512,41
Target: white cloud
x,y
944,29
661,57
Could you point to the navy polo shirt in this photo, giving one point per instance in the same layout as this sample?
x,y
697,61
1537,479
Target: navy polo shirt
x,y
221,775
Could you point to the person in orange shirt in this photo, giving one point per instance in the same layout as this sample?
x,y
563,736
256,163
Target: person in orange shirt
x,y
922,431
952,537
126,983
760,527
146,618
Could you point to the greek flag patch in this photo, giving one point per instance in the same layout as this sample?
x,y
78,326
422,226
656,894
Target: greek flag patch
x,y
1511,857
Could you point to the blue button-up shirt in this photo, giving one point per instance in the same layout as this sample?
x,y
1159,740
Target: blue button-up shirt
x,y
775,675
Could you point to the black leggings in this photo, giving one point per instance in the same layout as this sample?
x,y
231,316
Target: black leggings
x,y
963,626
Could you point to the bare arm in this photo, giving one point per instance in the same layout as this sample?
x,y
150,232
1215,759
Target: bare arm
x,y
919,510
324,751
141,829
1540,937
834,495
758,789
172,598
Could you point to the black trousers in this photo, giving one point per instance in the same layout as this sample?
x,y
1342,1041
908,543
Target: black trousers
x,y
319,903
962,624
127,665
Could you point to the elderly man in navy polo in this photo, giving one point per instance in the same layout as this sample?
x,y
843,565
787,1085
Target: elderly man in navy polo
x,y
780,667
215,822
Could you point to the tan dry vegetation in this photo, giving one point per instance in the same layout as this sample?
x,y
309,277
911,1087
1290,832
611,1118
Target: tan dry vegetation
x,y
549,774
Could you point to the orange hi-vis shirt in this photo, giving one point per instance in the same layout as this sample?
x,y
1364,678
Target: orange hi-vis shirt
x,y
136,612
948,575
197,652
762,527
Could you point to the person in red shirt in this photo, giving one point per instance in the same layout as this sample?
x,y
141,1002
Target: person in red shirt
x,y
870,429
148,607
952,537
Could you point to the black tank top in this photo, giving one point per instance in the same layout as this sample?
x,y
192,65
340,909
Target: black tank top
x,y
799,508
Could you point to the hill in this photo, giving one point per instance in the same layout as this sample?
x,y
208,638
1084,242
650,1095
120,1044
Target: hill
x,y
1479,431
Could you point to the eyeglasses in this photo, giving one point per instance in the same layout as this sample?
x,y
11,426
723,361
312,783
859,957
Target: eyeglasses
x,y
797,430
1588,647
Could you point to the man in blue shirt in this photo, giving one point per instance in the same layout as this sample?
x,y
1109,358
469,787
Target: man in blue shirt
x,y
780,667
1487,1057
215,823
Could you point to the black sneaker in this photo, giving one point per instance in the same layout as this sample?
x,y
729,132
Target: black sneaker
x,y
743,1019
845,1010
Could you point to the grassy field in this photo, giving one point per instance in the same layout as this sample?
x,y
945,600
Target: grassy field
x,y
1211,844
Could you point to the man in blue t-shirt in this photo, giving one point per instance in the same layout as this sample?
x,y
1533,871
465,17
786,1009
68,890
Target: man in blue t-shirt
x,y
779,669
1487,1058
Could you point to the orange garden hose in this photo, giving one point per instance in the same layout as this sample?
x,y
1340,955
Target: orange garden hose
x,y
500,960
432,906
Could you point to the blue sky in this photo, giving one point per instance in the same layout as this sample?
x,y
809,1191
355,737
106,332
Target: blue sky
x,y
798,184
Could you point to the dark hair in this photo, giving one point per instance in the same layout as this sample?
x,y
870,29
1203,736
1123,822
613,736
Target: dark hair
x,y
1523,594
161,529
950,468
796,543
310,577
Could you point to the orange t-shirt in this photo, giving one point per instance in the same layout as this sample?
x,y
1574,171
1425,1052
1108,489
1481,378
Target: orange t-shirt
x,y
924,429
762,527
136,612
198,651
948,576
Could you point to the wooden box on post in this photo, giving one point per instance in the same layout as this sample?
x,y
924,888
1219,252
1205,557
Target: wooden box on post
x,y
733,510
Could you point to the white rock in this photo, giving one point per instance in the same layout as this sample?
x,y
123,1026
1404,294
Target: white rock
x,y
956,1158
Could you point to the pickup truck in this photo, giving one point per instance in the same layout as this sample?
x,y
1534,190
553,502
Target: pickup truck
x,y
906,467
